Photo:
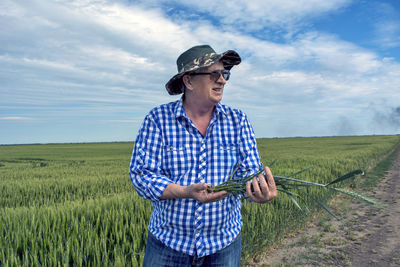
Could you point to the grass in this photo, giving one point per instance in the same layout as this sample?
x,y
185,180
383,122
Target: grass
x,y
337,255
375,174
73,204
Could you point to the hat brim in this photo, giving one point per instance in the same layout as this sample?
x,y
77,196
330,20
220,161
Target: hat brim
x,y
229,59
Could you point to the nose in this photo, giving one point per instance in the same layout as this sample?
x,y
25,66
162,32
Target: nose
x,y
221,79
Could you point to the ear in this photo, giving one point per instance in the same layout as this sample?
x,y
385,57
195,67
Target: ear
x,y
187,81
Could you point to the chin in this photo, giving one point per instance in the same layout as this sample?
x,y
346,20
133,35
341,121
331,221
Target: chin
x,y
216,98
217,101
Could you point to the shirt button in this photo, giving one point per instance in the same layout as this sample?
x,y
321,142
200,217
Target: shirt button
x,y
202,161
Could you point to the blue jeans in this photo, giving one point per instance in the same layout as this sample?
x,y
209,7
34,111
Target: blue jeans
x,y
157,255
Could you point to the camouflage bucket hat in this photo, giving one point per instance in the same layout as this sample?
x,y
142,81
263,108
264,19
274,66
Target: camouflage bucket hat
x,y
198,57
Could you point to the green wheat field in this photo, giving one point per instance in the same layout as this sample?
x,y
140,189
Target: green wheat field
x,y
74,204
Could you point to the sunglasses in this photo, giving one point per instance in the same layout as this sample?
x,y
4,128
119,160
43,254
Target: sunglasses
x,y
214,75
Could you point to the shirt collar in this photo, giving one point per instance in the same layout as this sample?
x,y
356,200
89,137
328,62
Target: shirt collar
x,y
220,109
180,111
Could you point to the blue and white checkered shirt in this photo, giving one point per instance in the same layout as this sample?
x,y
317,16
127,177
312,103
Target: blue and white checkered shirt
x,y
170,149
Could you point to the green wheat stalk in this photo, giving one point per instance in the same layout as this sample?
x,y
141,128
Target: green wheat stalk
x,y
287,184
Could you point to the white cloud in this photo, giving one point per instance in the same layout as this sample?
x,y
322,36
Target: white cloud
x,y
108,61
15,118
255,15
331,53
388,33
387,26
9,8
97,44
318,62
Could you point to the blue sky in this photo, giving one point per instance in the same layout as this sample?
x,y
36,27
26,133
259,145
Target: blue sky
x,y
89,71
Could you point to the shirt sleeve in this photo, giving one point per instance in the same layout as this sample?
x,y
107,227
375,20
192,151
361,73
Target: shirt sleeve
x,y
250,161
145,168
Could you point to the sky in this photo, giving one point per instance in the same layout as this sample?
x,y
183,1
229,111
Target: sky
x,y
89,71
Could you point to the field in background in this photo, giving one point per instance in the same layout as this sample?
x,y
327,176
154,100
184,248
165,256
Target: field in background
x,y
74,203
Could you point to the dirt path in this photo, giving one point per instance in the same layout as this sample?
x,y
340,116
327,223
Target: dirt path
x,y
366,235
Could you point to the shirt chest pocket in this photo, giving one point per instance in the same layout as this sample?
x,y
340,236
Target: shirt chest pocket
x,y
177,161
227,146
228,154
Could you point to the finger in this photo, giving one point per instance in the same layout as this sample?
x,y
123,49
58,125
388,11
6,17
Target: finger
x,y
270,179
212,197
249,192
223,195
220,194
263,185
199,192
256,188
198,187
271,184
